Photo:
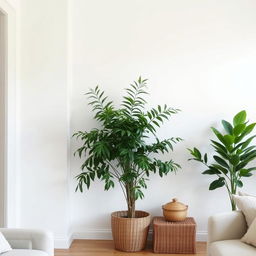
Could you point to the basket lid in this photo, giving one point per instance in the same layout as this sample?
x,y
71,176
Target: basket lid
x,y
175,206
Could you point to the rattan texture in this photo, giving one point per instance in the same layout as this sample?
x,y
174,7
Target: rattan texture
x,y
130,234
174,237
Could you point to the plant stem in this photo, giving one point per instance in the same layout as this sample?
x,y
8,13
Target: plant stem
x,y
233,204
233,185
117,175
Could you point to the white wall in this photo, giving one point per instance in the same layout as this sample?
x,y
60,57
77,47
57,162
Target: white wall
x,y
199,56
14,3
2,118
43,117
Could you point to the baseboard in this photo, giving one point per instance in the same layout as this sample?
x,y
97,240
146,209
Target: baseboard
x,y
63,242
105,234
98,234
201,236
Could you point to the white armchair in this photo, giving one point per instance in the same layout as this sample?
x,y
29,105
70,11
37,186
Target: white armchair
x,y
224,233
28,242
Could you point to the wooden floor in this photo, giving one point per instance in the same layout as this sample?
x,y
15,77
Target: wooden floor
x,y
106,248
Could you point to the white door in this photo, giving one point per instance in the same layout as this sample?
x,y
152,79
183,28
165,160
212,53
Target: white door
x,y
2,119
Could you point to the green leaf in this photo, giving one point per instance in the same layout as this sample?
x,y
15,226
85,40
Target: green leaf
x,y
241,165
221,138
217,183
228,127
243,145
220,146
211,172
239,183
246,150
239,118
229,139
221,161
156,123
235,159
239,129
220,168
249,129
245,173
197,153
247,142
216,132
205,158
223,154
248,155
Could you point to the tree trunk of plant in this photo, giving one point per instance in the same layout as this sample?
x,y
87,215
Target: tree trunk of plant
x,y
130,201
131,209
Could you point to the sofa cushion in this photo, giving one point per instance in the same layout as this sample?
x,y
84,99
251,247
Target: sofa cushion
x,y
4,245
247,204
241,193
231,247
24,252
250,236
20,243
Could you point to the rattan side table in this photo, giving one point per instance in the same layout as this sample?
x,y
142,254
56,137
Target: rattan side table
x,y
174,237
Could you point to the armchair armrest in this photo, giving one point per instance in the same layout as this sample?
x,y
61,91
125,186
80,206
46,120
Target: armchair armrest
x,y
35,239
226,226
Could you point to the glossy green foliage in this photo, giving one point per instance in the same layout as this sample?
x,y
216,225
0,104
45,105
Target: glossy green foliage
x,y
233,153
119,151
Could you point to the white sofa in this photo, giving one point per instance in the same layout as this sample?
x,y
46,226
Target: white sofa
x,y
28,242
224,233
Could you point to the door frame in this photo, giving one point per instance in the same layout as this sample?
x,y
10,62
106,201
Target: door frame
x,y
10,159
3,118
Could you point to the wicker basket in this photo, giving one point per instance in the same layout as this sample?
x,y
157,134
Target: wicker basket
x,y
130,234
174,237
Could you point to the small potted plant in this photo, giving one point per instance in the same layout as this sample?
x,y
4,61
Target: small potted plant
x,y
233,154
118,151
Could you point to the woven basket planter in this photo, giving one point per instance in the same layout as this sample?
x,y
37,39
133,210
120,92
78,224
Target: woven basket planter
x,y
130,234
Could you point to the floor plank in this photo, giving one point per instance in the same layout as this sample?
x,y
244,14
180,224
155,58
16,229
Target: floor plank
x,y
106,248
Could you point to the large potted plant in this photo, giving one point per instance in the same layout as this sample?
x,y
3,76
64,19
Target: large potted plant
x,y
119,151
233,154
